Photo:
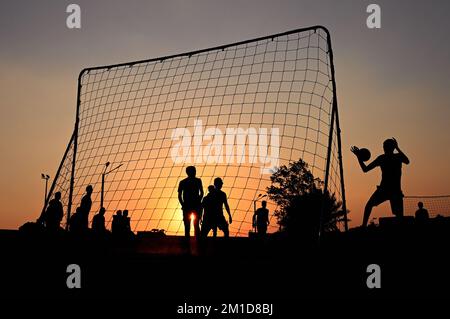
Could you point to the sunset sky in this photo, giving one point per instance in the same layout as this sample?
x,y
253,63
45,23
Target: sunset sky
x,y
392,81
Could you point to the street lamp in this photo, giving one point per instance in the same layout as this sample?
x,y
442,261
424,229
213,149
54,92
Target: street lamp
x,y
46,177
103,180
260,196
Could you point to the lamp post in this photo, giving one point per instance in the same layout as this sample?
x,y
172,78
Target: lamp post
x,y
46,177
103,180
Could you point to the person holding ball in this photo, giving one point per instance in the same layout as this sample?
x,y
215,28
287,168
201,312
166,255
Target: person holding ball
x,y
390,164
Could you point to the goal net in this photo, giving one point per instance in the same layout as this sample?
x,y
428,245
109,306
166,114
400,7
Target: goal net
x,y
436,205
235,111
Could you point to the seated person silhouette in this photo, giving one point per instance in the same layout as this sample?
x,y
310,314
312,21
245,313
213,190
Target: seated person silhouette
x,y
220,200
85,206
261,219
98,222
421,214
390,164
190,194
209,220
54,213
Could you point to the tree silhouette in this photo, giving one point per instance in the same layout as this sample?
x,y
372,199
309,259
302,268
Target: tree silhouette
x,y
302,202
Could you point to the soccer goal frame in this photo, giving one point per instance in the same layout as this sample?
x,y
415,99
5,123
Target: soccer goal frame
x,y
334,147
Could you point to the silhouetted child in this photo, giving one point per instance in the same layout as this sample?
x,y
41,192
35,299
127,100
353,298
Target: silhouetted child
x,y
261,218
190,194
98,222
54,213
209,212
220,200
421,214
85,208
390,164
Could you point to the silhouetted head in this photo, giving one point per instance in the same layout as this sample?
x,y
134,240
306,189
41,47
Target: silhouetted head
x,y
218,183
58,195
78,210
211,188
89,189
102,211
119,213
420,204
264,203
389,146
191,171
125,213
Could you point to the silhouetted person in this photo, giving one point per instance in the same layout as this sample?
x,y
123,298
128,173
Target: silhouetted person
x,y
117,224
85,206
220,200
98,222
190,194
390,164
126,222
421,214
261,218
210,212
76,222
54,213
126,226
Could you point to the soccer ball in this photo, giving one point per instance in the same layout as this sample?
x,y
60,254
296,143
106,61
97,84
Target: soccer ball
x,y
364,154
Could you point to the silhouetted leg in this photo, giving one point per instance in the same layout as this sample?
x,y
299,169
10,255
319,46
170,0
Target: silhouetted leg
x,y
367,211
376,199
397,205
187,225
226,232
214,232
197,227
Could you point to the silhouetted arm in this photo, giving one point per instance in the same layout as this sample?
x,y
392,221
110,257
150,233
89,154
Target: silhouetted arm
x,y
365,168
227,207
201,190
180,197
403,157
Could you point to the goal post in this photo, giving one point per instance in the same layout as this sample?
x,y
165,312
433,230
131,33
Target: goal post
x,y
236,111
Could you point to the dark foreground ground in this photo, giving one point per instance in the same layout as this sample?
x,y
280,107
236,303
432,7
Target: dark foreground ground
x,y
414,263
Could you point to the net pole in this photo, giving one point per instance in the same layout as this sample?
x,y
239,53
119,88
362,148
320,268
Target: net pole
x,y
330,136
75,144
338,132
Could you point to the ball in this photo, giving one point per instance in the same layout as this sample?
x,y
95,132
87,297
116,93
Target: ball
x,y
364,154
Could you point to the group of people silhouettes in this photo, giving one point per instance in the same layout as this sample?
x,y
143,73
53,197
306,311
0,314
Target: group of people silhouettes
x,y
79,221
195,207
208,209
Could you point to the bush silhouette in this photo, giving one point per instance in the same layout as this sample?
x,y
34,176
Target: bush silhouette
x,y
302,202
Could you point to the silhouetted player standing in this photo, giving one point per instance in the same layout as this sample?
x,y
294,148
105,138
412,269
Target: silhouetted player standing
x,y
85,208
391,173
220,200
98,222
261,218
54,213
190,194
210,213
